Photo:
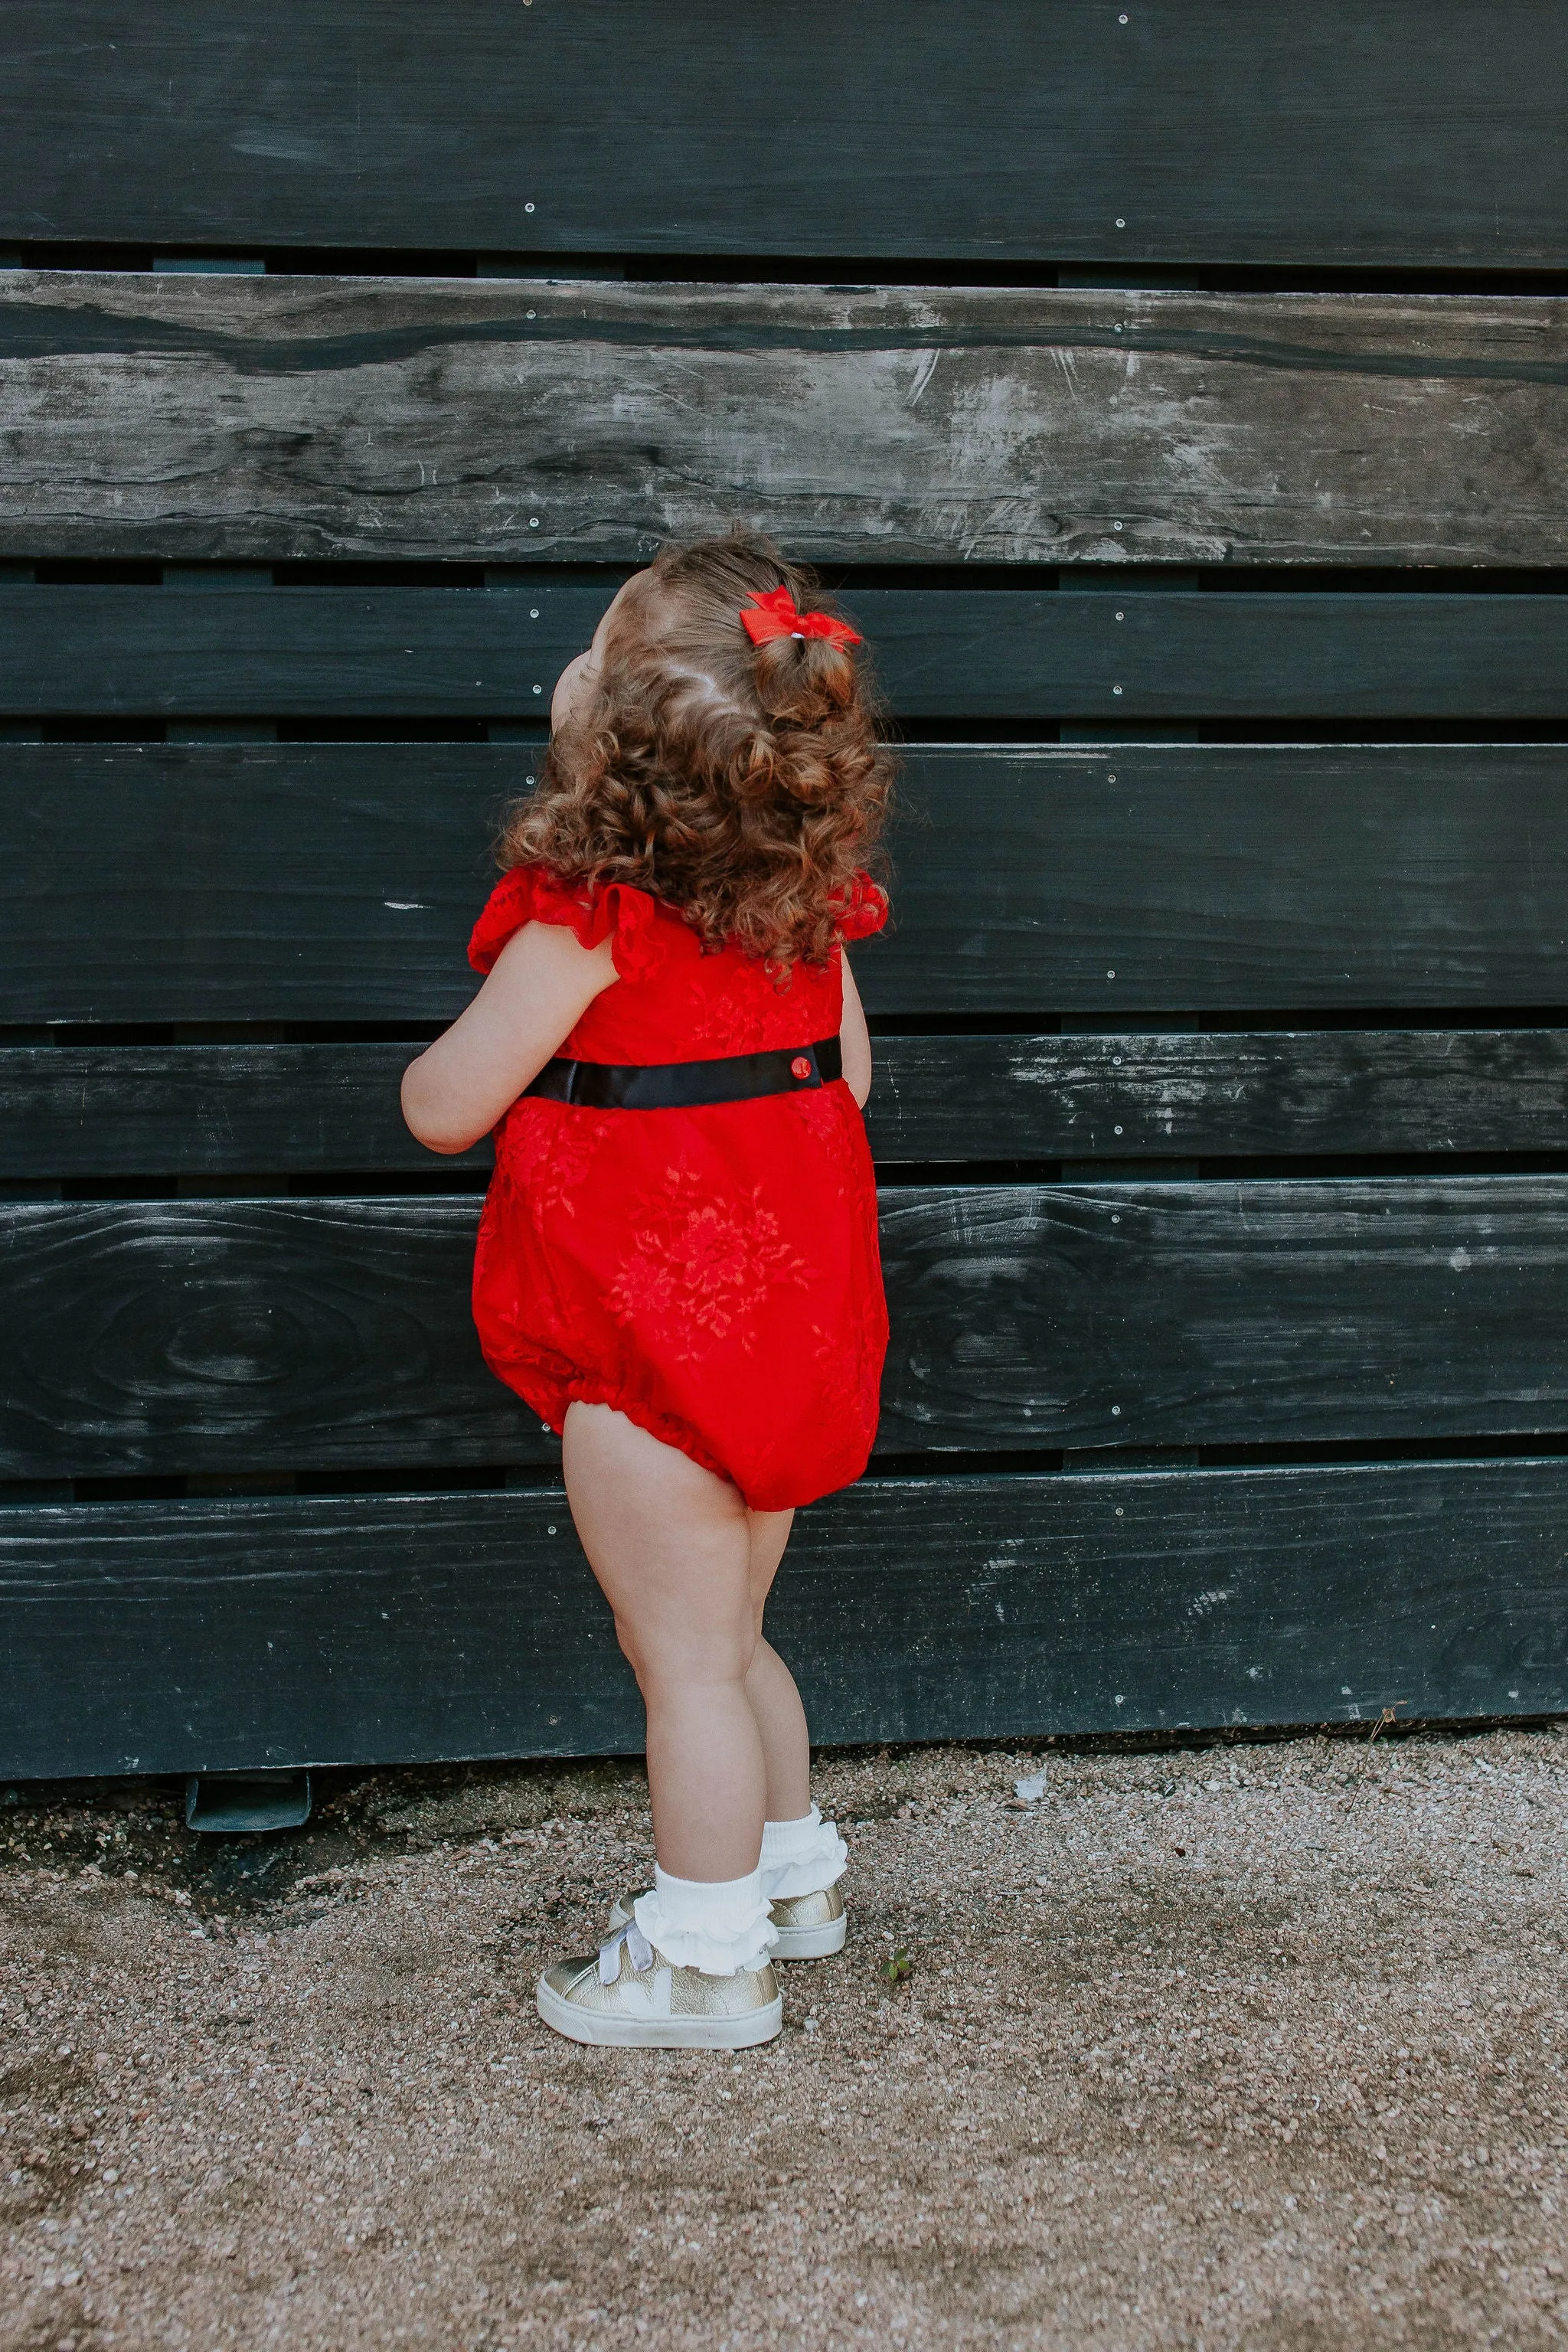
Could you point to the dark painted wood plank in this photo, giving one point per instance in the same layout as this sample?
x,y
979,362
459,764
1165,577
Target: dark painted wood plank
x,y
303,881
1004,654
391,1629
207,1110
1261,1312
490,653
248,1335
201,417
225,1110
1207,878
1330,133
939,654
1225,1096
325,882
174,1337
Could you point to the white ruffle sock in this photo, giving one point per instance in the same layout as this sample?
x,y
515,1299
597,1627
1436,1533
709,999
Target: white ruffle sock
x,y
802,1857
717,1925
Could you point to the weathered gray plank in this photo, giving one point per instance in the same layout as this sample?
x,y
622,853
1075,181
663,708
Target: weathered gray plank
x,y
390,1629
974,654
204,416
1416,132
171,1337
338,881
225,1110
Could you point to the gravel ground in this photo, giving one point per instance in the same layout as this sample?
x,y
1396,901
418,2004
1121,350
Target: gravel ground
x,y
1254,2046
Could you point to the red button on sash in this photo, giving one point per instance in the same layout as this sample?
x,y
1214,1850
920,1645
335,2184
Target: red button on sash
x,y
801,1066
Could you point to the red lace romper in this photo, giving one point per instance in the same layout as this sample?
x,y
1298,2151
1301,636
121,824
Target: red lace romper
x,y
712,1273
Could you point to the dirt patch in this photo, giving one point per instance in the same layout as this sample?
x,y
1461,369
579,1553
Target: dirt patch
x,y
1258,2047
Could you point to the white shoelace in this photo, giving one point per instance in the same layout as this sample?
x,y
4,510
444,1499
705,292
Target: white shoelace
x,y
637,1944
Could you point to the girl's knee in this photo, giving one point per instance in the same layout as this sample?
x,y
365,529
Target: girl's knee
x,y
717,1656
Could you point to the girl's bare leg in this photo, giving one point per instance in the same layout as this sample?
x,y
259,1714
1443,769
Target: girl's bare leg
x,y
770,1685
672,1547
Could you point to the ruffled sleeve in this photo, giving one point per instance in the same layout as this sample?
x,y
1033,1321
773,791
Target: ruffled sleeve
x,y
866,910
531,893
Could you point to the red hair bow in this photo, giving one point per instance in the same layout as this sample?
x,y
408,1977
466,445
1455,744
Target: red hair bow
x,y
773,614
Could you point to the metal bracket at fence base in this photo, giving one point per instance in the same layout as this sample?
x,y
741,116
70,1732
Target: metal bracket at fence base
x,y
229,1802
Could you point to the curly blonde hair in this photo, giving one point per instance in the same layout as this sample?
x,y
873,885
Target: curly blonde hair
x,y
743,784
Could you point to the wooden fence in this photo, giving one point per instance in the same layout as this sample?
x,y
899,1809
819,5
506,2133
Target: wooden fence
x,y
1190,445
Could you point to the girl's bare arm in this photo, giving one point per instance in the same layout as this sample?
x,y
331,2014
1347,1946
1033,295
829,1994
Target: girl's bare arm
x,y
543,983
855,1039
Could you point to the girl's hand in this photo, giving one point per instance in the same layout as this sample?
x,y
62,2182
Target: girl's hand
x,y
543,983
854,1037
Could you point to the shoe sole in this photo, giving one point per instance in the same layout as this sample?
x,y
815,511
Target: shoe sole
x,y
794,1943
659,2032
812,1943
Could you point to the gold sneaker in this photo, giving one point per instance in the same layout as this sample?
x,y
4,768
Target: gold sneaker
x,y
630,1997
809,1926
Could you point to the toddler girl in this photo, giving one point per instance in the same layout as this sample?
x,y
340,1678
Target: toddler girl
x,y
677,1266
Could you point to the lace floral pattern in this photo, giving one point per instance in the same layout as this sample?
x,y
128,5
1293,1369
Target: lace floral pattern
x,y
548,1151
701,1269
